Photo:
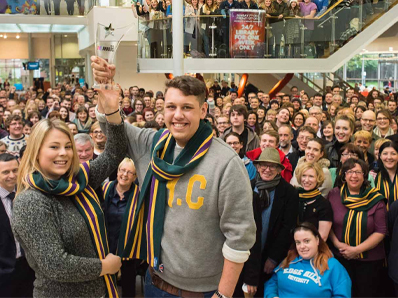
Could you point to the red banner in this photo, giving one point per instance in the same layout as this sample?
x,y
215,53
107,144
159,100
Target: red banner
x,y
247,33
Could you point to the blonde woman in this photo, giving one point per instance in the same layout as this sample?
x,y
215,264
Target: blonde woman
x,y
313,207
30,108
57,216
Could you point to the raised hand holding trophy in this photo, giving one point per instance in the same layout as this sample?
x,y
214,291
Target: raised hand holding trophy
x,y
106,43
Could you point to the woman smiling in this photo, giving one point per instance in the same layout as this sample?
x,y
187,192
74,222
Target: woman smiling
x,y
343,130
313,208
309,269
359,227
315,153
57,216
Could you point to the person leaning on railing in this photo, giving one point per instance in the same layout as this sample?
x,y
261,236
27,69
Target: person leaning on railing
x,y
209,8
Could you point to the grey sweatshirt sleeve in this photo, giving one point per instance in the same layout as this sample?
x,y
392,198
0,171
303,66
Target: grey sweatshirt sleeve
x,y
108,161
35,226
236,212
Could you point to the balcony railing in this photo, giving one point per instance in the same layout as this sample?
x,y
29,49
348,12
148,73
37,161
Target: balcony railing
x,y
254,34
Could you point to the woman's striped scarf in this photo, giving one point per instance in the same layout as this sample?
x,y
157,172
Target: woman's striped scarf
x,y
356,219
86,201
305,197
144,241
387,188
128,216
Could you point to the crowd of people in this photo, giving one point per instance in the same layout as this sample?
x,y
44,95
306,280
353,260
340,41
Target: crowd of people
x,y
207,26
202,192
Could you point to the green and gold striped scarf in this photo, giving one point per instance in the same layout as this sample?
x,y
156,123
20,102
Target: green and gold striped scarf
x,y
355,220
86,201
305,197
387,188
128,216
144,241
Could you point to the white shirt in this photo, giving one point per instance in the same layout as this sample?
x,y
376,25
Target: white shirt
x,y
7,203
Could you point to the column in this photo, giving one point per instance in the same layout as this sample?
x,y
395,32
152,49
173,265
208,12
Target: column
x,y
31,58
178,38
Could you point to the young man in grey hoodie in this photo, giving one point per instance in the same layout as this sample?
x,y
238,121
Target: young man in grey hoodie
x,y
209,226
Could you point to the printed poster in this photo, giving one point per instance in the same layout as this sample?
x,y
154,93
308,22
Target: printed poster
x,y
247,33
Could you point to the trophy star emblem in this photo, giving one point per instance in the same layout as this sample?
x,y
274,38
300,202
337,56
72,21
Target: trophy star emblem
x,y
109,30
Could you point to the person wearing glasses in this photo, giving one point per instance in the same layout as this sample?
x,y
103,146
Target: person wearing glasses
x,y
359,227
383,123
120,196
348,151
277,208
99,139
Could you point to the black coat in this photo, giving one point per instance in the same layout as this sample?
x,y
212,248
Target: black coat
x,y
8,249
393,232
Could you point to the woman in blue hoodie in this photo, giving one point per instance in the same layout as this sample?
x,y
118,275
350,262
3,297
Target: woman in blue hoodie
x,y
309,270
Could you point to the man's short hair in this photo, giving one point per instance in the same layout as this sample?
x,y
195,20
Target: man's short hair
x,y
188,86
6,157
287,126
307,129
83,138
318,95
271,133
240,109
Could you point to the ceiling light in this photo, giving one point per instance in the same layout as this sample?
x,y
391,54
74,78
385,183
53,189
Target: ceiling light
x,y
390,49
17,36
5,36
65,35
1,35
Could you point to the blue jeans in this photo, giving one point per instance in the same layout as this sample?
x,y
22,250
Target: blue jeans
x,y
150,291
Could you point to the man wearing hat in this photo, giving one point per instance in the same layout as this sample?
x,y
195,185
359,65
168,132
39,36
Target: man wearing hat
x,y
279,202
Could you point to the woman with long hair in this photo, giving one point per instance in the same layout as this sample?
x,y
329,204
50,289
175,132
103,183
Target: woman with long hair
x,y
343,130
386,179
57,217
64,112
206,10
309,269
359,227
298,121
252,122
138,105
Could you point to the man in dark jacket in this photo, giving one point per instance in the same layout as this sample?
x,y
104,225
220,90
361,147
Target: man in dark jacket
x,y
276,215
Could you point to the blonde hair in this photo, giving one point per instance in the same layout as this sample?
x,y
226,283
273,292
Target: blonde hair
x,y
31,105
320,176
380,142
30,163
363,134
94,126
125,161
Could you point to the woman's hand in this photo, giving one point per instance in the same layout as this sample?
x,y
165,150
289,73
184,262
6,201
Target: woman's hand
x,y
103,71
251,290
111,264
350,252
269,266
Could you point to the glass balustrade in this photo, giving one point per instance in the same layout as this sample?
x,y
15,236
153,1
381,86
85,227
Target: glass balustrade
x,y
47,7
257,34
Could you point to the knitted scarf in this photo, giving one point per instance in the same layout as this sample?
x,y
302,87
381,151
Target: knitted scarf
x,y
147,230
264,188
128,216
87,203
305,197
355,220
387,188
